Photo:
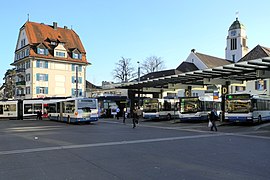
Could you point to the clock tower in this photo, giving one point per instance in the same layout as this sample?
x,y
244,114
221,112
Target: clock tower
x,y
236,42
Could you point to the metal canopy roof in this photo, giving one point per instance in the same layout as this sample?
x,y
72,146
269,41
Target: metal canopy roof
x,y
241,71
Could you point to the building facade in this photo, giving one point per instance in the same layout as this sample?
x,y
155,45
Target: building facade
x,y
50,61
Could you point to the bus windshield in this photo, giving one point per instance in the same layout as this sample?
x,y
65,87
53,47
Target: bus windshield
x,y
238,106
189,105
87,104
150,105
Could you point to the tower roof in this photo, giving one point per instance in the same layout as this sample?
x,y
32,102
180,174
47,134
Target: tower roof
x,y
236,25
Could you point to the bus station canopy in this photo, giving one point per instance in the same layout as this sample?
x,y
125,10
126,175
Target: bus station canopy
x,y
240,71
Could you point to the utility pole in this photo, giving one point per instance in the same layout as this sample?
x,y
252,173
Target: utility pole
x,y
77,92
139,78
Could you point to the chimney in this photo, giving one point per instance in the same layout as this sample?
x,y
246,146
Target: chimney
x,y
54,25
65,27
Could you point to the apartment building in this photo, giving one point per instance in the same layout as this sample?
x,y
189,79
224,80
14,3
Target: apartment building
x,y
50,61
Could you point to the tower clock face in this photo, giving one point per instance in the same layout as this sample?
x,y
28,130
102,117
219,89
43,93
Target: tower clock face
x,y
233,33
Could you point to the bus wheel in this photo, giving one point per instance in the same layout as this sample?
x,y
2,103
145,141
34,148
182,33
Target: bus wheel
x,y
260,119
169,117
68,119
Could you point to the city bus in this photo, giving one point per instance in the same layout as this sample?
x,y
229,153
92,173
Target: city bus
x,y
73,110
154,108
197,108
247,108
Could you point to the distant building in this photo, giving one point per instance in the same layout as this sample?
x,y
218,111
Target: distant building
x,y
47,58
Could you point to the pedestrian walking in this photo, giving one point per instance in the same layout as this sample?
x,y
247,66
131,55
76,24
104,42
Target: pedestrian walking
x,y
124,115
135,117
117,112
39,115
213,119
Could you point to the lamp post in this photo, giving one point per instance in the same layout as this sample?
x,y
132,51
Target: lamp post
x,y
139,69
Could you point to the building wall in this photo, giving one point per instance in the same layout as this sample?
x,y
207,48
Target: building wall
x,y
192,58
250,88
59,79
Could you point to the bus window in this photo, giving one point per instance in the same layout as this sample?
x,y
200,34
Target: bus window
x,y
69,107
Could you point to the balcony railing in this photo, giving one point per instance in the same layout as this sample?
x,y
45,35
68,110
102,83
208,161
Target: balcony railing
x,y
20,83
20,95
20,70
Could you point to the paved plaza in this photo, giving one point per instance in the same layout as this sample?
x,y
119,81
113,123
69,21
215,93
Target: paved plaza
x,y
109,149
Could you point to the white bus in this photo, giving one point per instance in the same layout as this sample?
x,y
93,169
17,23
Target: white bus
x,y
197,108
154,108
74,110
247,108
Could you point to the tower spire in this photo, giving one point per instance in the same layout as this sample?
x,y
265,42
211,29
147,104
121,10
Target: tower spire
x,y
28,17
237,14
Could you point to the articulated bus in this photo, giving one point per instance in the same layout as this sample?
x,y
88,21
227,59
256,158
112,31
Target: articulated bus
x,y
74,110
247,108
154,108
197,108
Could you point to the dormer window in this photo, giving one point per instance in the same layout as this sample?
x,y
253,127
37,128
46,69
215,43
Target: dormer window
x,y
53,43
60,51
60,54
41,49
76,56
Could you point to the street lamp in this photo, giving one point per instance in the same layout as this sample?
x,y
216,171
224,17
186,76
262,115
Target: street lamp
x,y
139,69
138,81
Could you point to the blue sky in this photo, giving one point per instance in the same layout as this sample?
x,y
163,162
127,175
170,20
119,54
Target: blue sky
x,y
137,29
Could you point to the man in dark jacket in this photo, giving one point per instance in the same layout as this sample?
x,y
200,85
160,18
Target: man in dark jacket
x,y
213,119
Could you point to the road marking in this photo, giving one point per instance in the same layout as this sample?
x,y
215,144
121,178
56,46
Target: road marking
x,y
183,128
30,128
21,151
261,126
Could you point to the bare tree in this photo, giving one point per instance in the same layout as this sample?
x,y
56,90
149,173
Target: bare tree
x,y
152,64
123,70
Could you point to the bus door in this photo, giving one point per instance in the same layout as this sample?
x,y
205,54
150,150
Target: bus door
x,y
60,105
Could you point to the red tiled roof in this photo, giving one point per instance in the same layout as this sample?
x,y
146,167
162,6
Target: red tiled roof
x,y
38,33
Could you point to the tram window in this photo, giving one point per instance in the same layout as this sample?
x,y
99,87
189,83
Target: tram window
x,y
28,109
37,107
10,107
